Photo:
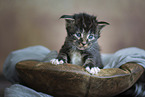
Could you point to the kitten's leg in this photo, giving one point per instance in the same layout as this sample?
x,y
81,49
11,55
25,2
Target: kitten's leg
x,y
90,67
62,58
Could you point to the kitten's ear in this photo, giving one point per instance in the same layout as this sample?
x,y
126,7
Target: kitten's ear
x,y
68,18
101,25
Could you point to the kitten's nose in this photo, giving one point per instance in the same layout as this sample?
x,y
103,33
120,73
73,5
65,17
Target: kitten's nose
x,y
83,43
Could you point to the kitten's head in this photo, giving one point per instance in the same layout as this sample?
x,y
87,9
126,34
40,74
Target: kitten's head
x,y
83,29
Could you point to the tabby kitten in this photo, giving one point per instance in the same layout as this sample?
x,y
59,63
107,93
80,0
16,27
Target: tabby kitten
x,y
81,46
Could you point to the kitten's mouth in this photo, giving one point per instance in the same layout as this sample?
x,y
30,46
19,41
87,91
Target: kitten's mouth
x,y
81,47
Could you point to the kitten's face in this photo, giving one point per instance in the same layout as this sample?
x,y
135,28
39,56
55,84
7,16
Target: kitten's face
x,y
83,29
84,39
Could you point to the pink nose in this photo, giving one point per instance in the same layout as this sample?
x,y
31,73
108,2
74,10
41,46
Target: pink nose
x,y
83,43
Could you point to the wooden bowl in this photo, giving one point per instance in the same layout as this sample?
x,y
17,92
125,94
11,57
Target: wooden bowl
x,y
69,80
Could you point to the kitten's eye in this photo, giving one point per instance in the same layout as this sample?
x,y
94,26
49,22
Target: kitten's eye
x,y
90,36
78,34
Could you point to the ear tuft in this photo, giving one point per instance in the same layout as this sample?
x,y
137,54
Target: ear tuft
x,y
103,23
68,17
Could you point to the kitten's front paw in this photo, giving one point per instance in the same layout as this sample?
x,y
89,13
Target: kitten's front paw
x,y
93,70
56,61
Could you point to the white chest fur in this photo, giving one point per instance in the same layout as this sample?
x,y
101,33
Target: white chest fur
x,y
76,58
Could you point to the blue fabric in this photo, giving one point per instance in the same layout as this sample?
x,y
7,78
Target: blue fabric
x,y
31,53
18,90
123,56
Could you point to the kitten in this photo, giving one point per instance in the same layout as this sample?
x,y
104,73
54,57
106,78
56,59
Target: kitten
x,y
81,46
